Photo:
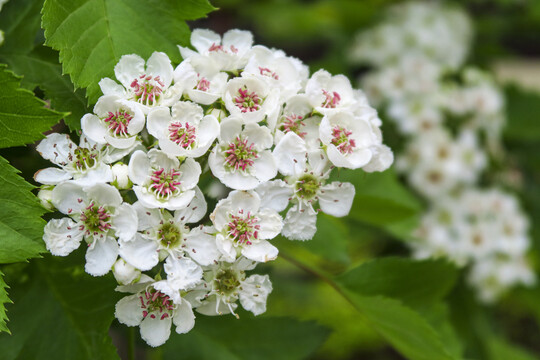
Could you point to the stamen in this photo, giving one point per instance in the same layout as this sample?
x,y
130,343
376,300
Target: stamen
x,y
332,100
165,183
240,156
243,229
247,102
118,122
183,135
342,141
293,123
147,89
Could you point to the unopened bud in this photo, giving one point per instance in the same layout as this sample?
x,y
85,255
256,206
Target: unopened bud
x,y
124,273
121,179
218,113
45,197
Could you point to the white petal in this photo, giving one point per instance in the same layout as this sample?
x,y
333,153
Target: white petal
x,y
125,222
101,257
240,39
183,317
275,194
56,148
337,198
248,201
140,252
259,135
182,274
381,160
159,64
191,171
158,122
62,236
93,128
270,222
147,218
300,225
261,251
255,291
290,154
139,167
101,174
201,246
129,68
203,39
51,176
195,211
155,331
104,194
111,87
128,310
264,167
69,198
230,129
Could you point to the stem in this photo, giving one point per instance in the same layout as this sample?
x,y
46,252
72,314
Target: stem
x,y
131,343
317,273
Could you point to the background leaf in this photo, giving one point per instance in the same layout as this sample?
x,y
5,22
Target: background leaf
x,y
3,301
92,35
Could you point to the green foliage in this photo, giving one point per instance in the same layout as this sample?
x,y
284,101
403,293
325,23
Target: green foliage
x,y
62,313
20,22
416,283
92,35
21,226
23,117
499,349
3,300
522,110
226,338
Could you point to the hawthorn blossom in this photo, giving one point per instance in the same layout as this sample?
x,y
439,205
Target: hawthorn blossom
x,y
97,215
328,94
115,121
244,228
186,133
298,117
226,283
146,85
229,54
242,159
161,181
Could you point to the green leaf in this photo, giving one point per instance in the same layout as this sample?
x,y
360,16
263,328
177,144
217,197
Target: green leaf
x,y
3,300
40,68
500,349
380,199
92,35
20,22
404,328
21,226
23,117
226,338
416,283
63,313
521,109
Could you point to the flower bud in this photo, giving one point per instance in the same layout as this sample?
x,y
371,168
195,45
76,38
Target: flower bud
x,y
124,273
45,197
218,113
121,178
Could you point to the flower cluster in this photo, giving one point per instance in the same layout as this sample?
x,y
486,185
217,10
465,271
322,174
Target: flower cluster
x,y
244,124
451,117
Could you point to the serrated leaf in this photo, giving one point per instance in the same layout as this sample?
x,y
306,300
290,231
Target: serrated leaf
x,y
40,69
404,328
92,35
23,117
63,313
21,226
226,338
416,283
4,299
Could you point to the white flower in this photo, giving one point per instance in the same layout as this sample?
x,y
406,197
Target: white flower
x,y
97,215
228,54
145,85
243,228
241,160
251,99
162,235
297,118
228,282
154,312
124,273
305,187
115,121
200,80
328,94
87,164
186,133
352,141
161,182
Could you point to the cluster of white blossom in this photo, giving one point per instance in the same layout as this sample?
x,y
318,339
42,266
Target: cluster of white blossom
x,y
451,117
245,124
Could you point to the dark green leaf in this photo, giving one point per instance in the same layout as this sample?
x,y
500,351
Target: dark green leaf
x,y
522,108
92,35
3,300
23,117
20,21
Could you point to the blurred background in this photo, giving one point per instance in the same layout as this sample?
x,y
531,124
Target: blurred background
x,y
455,83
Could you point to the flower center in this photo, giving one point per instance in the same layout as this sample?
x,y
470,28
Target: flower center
x,y
156,304
95,219
226,282
307,187
340,138
269,73
240,155
165,183
147,89
118,122
331,99
293,123
243,229
216,48
203,84
183,135
169,235
246,101
83,158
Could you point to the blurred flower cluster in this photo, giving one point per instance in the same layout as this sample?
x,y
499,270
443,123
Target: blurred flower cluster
x,y
244,123
451,116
